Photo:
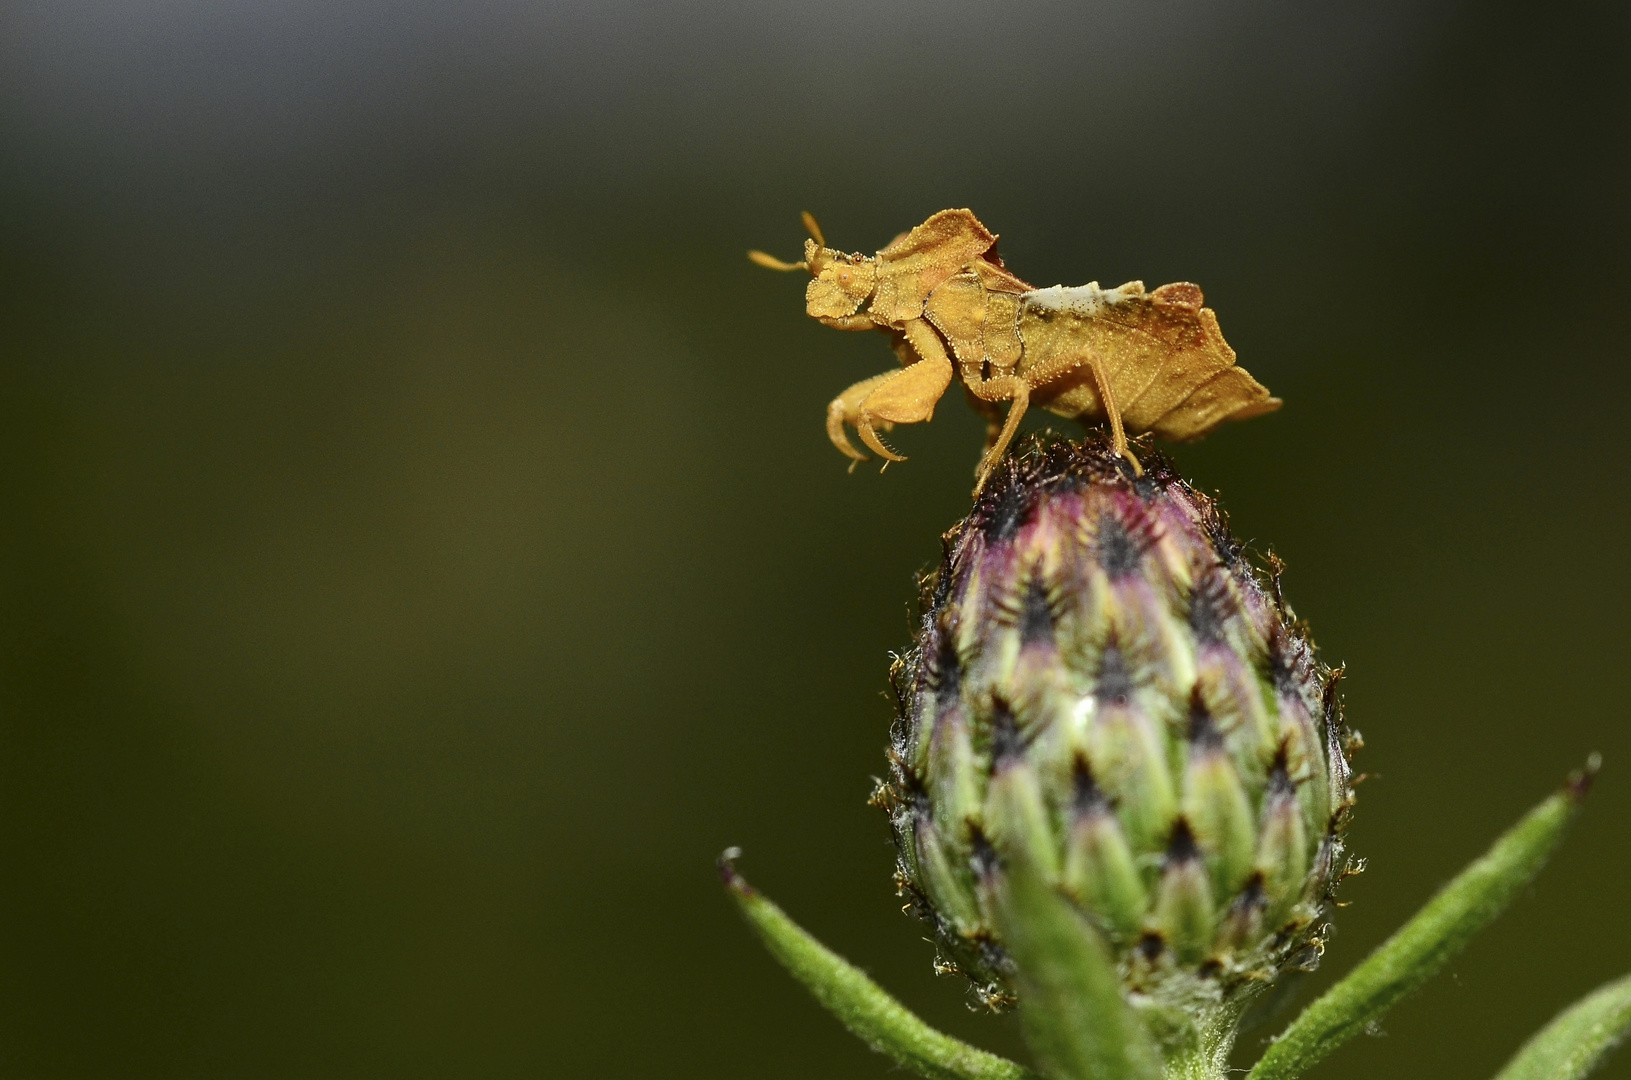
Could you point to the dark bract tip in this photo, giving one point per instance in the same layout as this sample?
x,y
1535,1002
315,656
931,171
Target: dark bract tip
x,y
1182,846
727,872
1578,785
1007,744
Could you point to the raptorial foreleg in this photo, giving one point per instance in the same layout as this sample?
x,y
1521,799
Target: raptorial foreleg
x,y
906,396
848,322
909,395
846,408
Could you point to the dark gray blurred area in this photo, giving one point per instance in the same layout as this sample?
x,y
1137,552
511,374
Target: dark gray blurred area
x,y
420,553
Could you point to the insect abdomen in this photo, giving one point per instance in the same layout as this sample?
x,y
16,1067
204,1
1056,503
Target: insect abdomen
x,y
1166,360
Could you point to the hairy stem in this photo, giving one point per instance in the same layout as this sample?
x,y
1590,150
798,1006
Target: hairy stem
x,y
1578,1038
861,1005
1427,942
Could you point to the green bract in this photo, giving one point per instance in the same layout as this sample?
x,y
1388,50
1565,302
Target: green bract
x,y
1103,686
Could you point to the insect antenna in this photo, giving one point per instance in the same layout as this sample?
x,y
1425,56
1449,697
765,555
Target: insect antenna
x,y
770,262
812,228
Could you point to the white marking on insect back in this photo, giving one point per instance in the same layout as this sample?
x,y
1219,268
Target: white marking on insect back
x,y
1086,300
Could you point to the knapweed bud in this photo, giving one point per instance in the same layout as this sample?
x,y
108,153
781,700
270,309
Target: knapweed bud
x,y
1104,688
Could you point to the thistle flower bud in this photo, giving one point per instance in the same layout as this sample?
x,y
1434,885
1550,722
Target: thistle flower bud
x,y
1103,687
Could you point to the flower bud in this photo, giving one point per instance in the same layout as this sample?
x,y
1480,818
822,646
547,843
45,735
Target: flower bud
x,y
1104,688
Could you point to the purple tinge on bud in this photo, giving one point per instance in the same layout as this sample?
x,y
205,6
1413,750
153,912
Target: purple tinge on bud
x,y
1104,687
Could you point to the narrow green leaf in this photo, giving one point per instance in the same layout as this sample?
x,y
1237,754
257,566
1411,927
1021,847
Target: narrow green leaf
x,y
1578,1038
860,1004
1070,1002
1424,944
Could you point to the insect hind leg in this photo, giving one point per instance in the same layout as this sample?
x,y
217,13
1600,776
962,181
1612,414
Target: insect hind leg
x,y
1112,412
1044,374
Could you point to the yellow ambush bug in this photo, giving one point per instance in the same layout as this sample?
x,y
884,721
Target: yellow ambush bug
x,y
1140,361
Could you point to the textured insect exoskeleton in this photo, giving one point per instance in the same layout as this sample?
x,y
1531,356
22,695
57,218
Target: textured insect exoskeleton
x,y
1140,361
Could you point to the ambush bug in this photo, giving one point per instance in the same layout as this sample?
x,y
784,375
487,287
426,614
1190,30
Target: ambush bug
x,y
1140,361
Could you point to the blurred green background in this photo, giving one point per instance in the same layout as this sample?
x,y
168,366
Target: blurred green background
x,y
422,555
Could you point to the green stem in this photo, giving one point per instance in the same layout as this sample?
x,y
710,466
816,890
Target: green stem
x,y
860,1004
1427,942
1578,1039
1206,1056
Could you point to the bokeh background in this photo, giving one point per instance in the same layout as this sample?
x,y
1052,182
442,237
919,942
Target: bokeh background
x,y
421,552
